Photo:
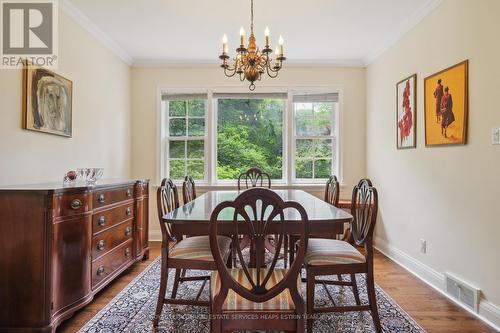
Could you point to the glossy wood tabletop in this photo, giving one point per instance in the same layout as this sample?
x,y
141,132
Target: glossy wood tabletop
x,y
194,217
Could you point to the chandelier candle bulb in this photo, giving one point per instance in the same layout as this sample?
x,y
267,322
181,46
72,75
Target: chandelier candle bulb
x,y
224,44
242,36
266,33
280,42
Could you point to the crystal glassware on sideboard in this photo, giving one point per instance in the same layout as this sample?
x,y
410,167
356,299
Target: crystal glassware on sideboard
x,y
89,175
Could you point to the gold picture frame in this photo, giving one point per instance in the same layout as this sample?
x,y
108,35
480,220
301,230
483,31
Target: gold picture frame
x,y
47,101
446,106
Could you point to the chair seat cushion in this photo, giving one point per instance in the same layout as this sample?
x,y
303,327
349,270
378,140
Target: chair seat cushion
x,y
235,302
331,252
198,248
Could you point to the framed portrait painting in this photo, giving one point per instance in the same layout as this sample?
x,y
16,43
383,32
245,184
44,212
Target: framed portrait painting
x,y
47,101
446,106
406,106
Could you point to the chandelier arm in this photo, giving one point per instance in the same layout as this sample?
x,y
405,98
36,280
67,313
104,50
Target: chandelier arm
x,y
231,72
272,73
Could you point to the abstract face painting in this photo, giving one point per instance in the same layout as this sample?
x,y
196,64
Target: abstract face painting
x,y
48,102
406,109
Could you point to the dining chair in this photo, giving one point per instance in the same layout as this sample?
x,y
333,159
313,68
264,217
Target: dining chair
x,y
188,190
332,194
334,257
332,191
193,253
257,298
256,178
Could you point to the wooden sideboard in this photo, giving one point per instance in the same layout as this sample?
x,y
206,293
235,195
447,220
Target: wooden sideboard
x,y
61,245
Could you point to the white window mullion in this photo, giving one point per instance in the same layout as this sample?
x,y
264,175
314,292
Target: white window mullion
x,y
212,138
289,134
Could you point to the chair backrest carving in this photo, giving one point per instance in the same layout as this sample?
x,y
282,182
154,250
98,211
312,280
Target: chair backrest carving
x,y
364,206
188,190
167,199
258,212
254,177
332,191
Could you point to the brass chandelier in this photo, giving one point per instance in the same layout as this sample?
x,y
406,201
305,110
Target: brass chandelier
x,y
251,62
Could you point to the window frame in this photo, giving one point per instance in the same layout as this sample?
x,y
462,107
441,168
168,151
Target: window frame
x,y
334,136
215,179
166,138
210,180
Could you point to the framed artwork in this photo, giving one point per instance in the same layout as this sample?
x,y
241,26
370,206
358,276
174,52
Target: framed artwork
x,y
47,101
406,108
446,106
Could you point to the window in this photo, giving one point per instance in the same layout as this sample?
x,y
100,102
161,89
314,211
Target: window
x,y
249,134
186,135
314,136
214,137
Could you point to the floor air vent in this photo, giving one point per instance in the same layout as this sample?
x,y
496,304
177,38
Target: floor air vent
x,y
463,292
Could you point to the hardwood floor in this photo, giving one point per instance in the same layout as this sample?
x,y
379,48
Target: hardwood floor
x,y
431,310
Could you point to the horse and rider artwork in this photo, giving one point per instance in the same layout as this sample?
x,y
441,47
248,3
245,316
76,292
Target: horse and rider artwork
x,y
446,106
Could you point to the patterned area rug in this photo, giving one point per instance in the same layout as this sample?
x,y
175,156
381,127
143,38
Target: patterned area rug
x,y
132,309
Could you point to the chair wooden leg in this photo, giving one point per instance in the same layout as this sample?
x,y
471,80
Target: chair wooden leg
x,y
229,262
291,247
234,253
310,298
162,291
355,289
176,283
372,298
285,250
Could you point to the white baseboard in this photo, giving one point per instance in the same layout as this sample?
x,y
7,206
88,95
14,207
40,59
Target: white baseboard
x,y
155,235
488,312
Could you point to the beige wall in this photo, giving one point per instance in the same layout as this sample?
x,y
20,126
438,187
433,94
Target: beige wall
x,y
147,81
101,115
446,195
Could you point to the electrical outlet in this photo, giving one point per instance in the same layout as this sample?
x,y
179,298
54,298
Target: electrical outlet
x,y
423,246
495,136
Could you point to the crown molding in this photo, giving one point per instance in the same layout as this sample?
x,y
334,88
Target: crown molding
x,y
404,28
80,18
182,63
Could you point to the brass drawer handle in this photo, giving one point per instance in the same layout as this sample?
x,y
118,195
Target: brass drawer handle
x,y
127,252
76,204
128,231
100,245
101,198
102,221
128,193
100,270
129,211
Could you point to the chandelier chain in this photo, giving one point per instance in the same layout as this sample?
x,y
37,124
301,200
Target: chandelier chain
x,y
251,15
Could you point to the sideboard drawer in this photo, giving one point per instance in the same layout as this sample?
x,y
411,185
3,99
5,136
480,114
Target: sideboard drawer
x,y
111,238
108,218
108,197
71,204
109,263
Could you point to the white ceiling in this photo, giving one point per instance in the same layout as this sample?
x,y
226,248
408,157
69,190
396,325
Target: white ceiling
x,y
350,32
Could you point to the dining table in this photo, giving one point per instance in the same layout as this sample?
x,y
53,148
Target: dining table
x,y
193,218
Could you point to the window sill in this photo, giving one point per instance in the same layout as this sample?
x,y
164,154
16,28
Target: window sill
x,y
230,187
